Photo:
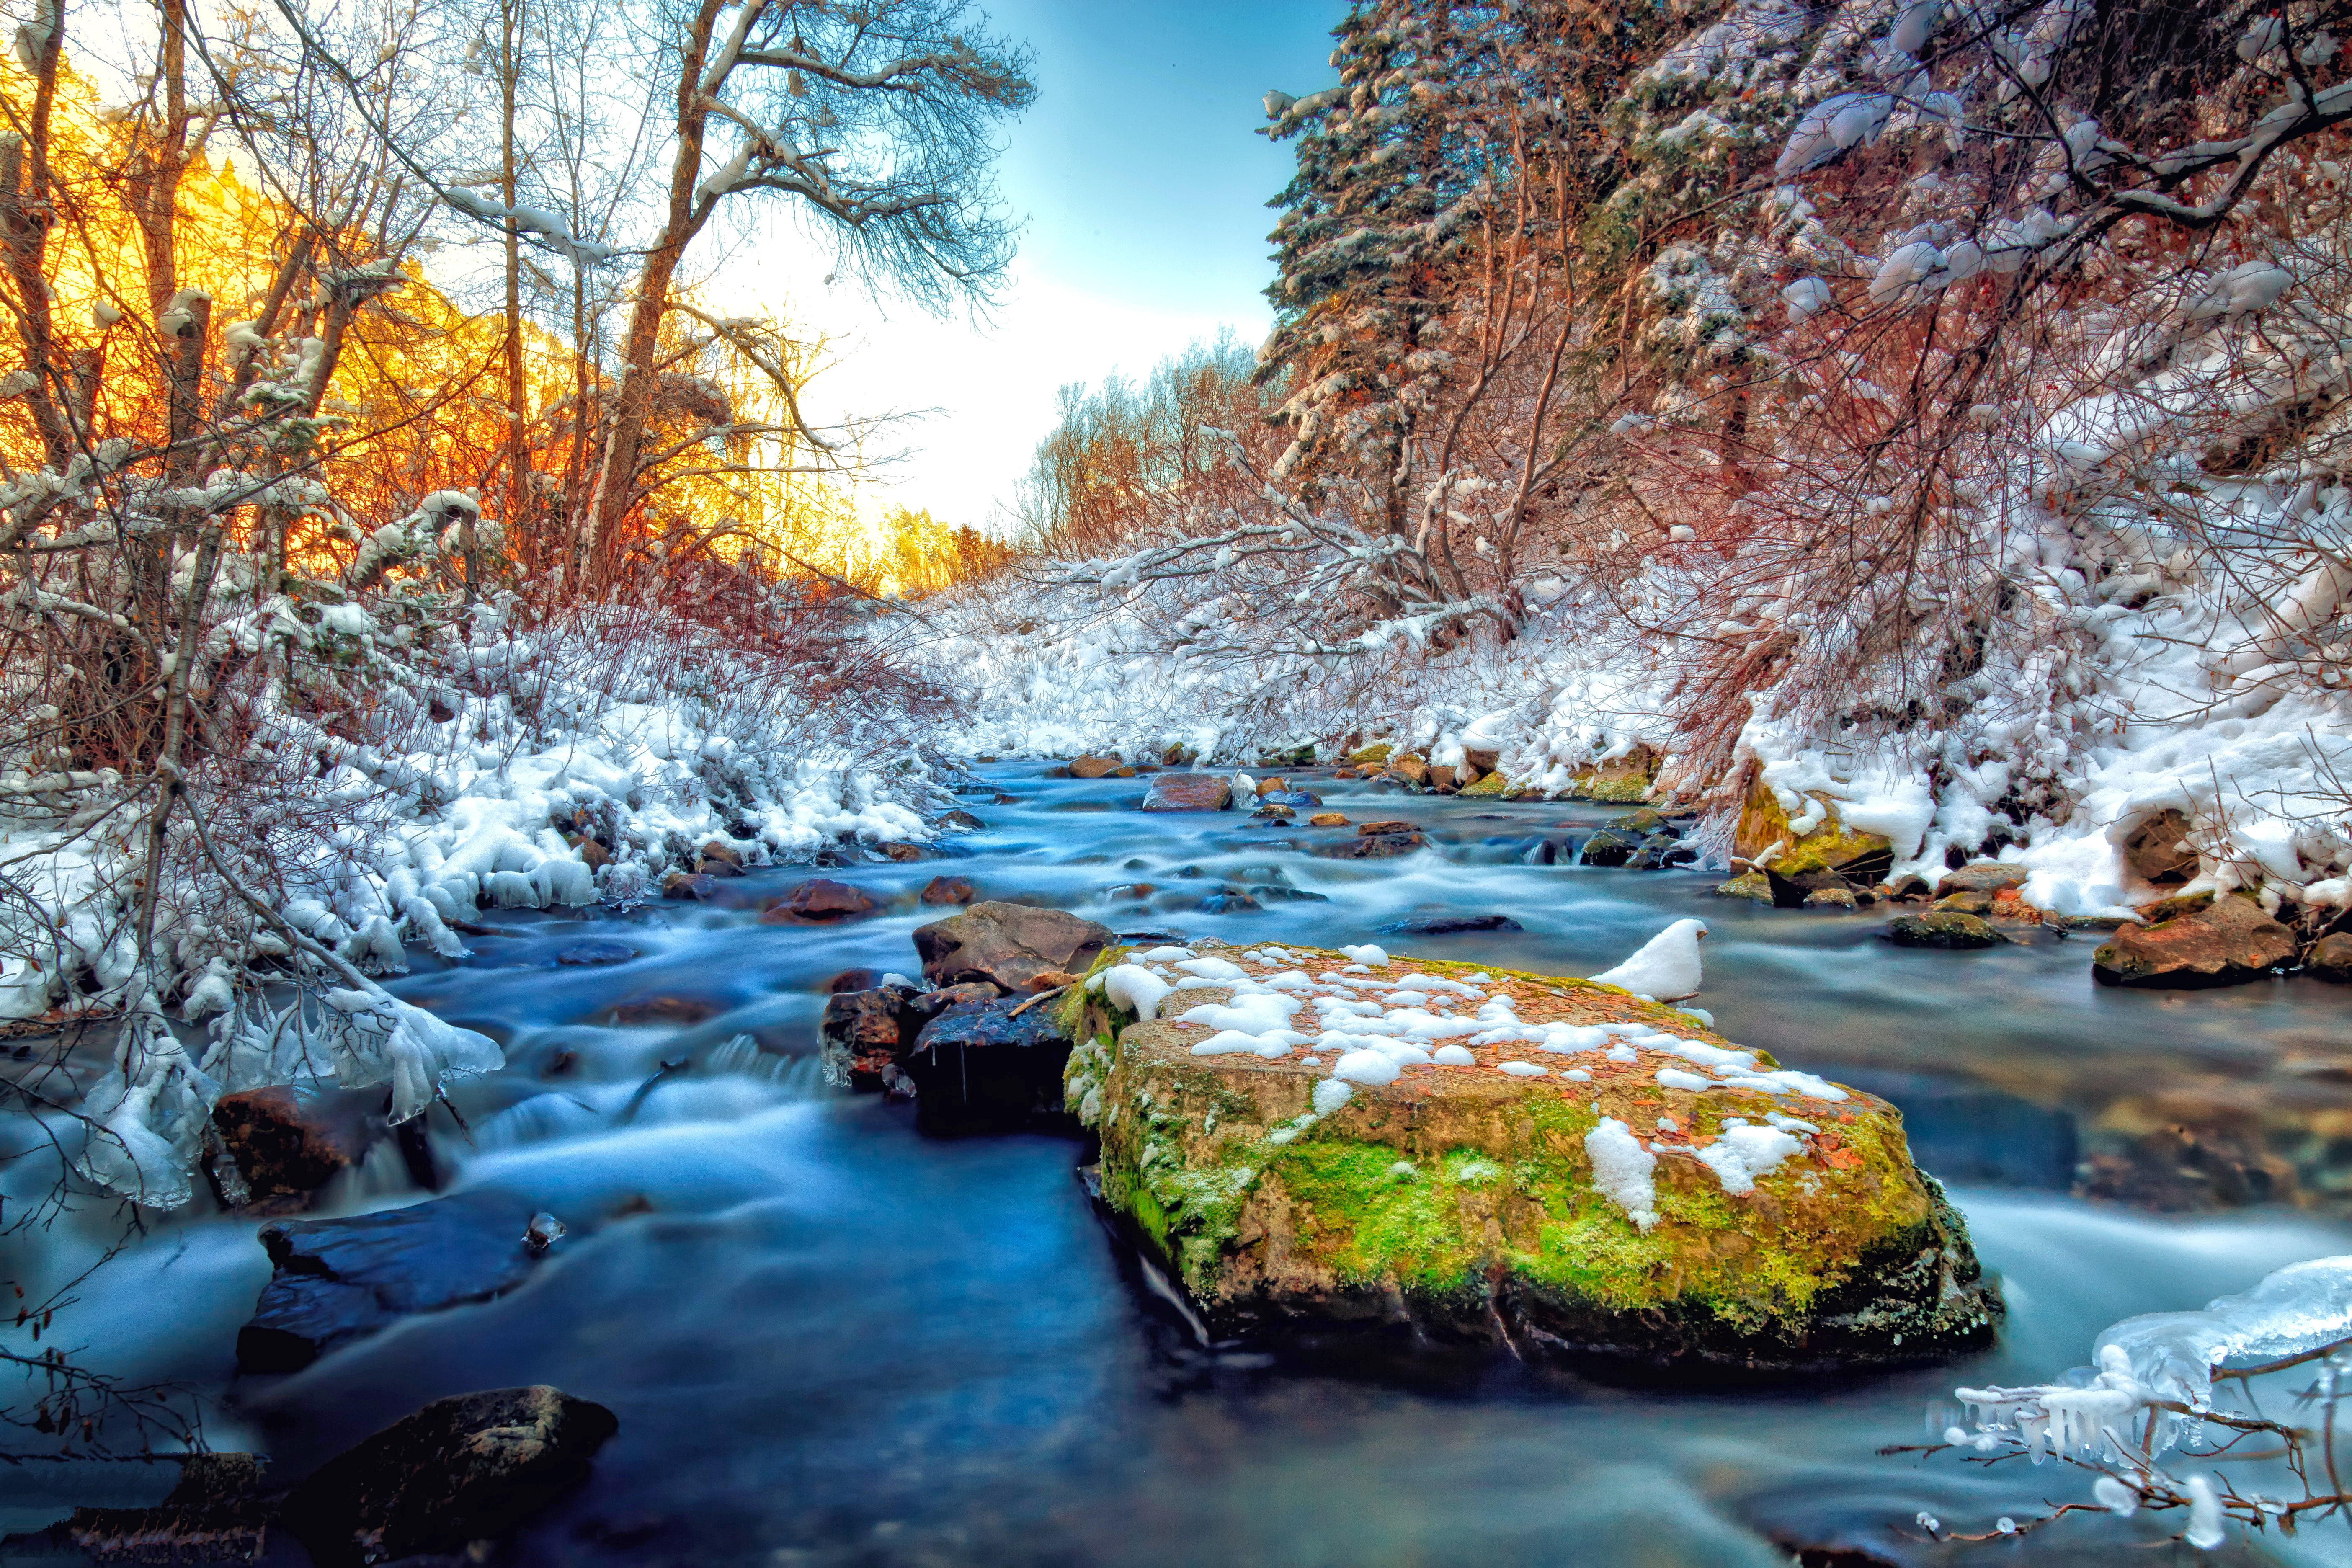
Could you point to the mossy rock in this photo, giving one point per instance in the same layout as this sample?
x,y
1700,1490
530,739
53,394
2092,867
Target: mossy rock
x,y
1620,780
1456,1208
1370,756
1753,885
1831,847
1492,786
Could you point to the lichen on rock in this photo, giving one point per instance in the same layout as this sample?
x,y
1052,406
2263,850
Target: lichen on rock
x,y
1456,1206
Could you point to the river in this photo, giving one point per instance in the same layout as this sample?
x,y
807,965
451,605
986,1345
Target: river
x,y
831,1341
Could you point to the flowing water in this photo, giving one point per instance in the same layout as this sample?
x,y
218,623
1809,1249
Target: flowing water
x,y
832,1341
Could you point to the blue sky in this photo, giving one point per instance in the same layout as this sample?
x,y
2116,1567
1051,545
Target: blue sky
x,y
1143,185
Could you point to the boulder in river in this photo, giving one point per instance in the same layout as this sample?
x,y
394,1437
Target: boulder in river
x,y
462,1469
1765,837
1188,792
947,890
1942,928
1008,944
863,1035
278,1145
1375,840
589,953
1985,877
1100,768
2331,958
993,1066
1448,925
338,1279
1327,819
1614,1202
2194,941
821,901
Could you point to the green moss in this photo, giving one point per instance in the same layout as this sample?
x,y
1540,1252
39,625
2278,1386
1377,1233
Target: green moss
x,y
1370,756
1370,1224
1493,784
1616,791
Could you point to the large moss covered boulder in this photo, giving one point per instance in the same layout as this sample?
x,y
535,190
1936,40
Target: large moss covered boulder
x,y
1641,1192
1816,846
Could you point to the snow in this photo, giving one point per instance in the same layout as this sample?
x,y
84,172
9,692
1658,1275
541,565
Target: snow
x,y
1666,968
1740,1155
1622,1171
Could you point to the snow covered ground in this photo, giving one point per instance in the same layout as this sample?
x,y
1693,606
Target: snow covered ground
x,y
2089,718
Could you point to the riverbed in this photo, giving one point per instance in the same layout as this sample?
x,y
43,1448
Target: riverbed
x,y
832,1341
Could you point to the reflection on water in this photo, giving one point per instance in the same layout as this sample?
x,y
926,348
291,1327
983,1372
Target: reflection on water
x,y
831,1341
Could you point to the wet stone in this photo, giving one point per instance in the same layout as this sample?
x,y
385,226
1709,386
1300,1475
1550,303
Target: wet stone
x,y
1943,929
2196,943
864,1033
689,884
340,1279
1188,792
1448,925
1230,902
1007,944
2331,959
819,902
947,890
1374,846
682,1012
463,1469
1988,877
283,1144
593,952
985,1066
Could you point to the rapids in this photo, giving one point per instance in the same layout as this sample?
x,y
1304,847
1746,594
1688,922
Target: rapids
x,y
830,1340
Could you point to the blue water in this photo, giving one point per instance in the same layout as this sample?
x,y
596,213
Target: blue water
x,y
832,1341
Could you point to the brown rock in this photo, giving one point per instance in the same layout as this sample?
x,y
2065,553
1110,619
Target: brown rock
x,y
1838,896
1094,767
688,885
819,902
462,1469
282,1144
2331,959
1368,829
682,1011
1982,877
893,851
959,817
1326,819
1441,778
592,854
947,891
1008,944
1188,792
1481,763
2197,943
2156,850
1374,846
863,1033
1967,901
717,853
1412,769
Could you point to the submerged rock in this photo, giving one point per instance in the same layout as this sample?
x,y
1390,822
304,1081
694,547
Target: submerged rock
x,y
1942,928
2196,941
1375,840
1008,944
466,1468
338,1279
821,901
1637,1211
1448,925
583,953
1188,792
947,890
